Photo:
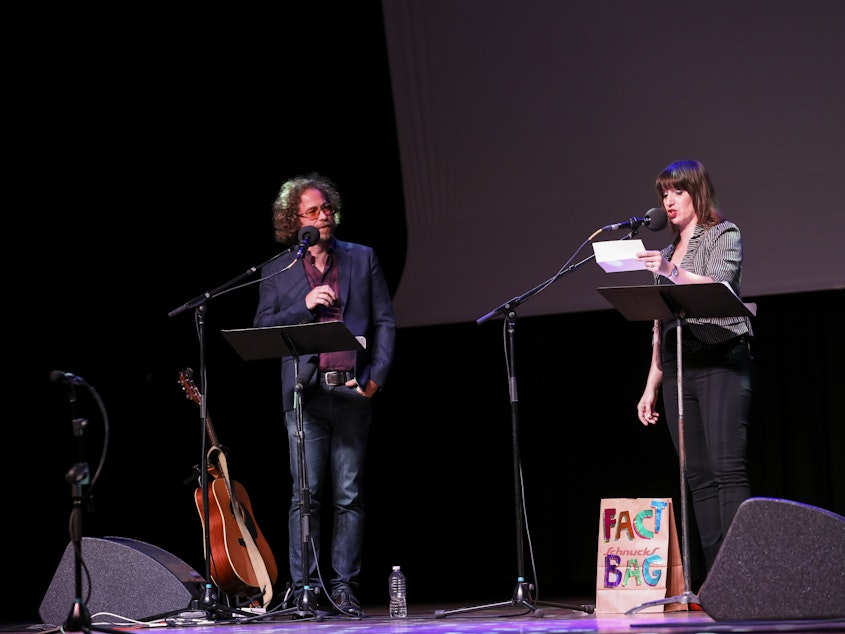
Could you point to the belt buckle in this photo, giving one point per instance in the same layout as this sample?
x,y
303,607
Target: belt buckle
x,y
335,377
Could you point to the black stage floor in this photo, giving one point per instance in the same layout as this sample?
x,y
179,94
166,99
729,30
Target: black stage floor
x,y
539,618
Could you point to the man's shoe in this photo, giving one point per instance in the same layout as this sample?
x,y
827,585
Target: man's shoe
x,y
346,603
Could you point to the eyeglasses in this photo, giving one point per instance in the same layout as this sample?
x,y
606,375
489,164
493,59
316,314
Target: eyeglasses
x,y
314,212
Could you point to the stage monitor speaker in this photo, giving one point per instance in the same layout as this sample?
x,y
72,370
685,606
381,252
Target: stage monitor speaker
x,y
780,560
128,578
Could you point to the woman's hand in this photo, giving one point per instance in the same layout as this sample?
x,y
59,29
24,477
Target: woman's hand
x,y
645,408
654,261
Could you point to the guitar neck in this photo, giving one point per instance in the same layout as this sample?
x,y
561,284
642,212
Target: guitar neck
x,y
209,429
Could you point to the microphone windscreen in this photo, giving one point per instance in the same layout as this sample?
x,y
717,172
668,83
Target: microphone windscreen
x,y
657,218
312,234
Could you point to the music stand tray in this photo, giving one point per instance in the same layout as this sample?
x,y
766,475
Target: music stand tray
x,y
642,303
282,341
655,301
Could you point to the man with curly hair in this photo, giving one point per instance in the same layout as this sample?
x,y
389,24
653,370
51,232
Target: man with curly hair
x,y
333,281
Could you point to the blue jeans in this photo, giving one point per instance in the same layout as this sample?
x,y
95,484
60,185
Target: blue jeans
x,y
336,424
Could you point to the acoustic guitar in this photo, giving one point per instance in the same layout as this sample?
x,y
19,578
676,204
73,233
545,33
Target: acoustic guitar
x,y
242,563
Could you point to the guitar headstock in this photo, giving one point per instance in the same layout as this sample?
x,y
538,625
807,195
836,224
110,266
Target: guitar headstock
x,y
193,394
191,391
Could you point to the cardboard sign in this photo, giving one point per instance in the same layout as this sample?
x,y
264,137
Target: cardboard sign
x,y
639,559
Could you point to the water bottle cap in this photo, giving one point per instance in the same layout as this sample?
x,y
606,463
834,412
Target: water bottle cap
x,y
396,567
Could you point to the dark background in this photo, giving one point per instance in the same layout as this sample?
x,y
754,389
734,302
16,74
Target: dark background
x,y
146,153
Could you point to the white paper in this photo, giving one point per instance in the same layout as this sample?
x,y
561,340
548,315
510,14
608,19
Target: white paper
x,y
619,255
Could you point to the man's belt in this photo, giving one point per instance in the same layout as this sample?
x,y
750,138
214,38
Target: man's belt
x,y
336,377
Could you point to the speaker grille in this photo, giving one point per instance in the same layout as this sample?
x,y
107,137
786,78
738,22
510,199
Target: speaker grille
x,y
128,577
780,560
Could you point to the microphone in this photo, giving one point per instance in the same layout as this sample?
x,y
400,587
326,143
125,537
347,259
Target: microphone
x,y
57,376
655,219
308,236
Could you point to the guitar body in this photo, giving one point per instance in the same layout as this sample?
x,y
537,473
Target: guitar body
x,y
241,562
231,566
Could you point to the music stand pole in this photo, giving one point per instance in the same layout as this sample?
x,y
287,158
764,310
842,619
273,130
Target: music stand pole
x,y
293,341
715,299
687,596
307,601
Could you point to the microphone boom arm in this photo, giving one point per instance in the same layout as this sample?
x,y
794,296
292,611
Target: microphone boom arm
x,y
517,301
204,297
514,303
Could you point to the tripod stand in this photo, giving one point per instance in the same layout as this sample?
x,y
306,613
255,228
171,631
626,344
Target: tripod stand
x,y
79,618
209,606
641,303
294,341
522,592
522,596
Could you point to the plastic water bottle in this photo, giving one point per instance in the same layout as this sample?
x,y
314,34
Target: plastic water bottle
x,y
398,608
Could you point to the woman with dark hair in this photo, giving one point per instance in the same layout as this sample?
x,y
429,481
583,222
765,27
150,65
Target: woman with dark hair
x,y
716,356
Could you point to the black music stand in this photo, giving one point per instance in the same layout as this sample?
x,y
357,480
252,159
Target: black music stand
x,y
292,341
646,303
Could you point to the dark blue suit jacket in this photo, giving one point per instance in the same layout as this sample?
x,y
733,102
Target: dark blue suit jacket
x,y
366,309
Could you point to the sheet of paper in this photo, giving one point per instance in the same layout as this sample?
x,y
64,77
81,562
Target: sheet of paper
x,y
619,255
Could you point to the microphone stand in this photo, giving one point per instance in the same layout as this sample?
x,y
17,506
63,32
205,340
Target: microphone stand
x,y
522,592
79,617
209,602
204,297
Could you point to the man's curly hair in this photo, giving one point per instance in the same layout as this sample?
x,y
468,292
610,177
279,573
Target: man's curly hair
x,y
286,223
